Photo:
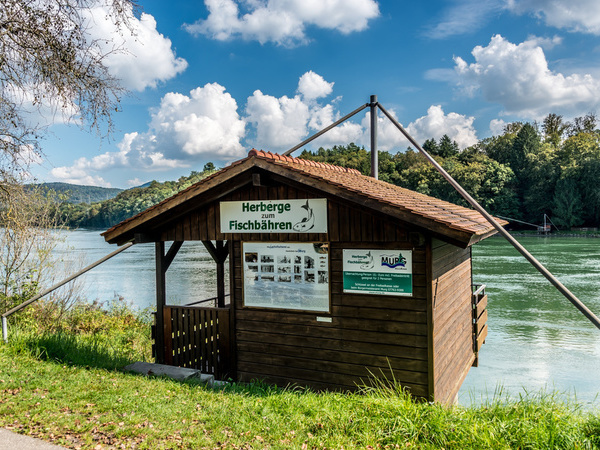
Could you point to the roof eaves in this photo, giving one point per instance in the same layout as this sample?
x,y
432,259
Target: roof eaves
x,y
129,224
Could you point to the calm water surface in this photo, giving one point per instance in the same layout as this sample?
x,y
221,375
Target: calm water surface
x,y
131,274
537,339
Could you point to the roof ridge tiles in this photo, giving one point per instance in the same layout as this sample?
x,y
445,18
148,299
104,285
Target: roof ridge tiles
x,y
306,162
358,185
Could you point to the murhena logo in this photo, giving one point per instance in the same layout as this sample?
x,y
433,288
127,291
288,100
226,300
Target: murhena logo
x,y
393,261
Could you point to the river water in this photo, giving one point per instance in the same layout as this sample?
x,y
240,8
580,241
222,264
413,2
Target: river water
x,y
537,340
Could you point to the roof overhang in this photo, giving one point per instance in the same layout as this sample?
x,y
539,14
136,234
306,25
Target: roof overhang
x,y
241,173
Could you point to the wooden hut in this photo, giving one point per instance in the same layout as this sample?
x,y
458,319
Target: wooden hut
x,y
334,277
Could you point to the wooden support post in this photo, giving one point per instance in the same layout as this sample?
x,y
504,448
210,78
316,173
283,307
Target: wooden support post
x,y
221,248
219,254
161,297
162,328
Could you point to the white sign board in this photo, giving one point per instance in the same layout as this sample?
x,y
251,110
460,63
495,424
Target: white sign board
x,y
382,272
274,216
286,275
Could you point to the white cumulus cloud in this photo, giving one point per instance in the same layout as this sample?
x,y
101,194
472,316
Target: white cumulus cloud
x,y
205,125
280,122
140,57
574,15
282,21
433,125
182,130
313,86
517,77
466,16
497,126
283,122
436,123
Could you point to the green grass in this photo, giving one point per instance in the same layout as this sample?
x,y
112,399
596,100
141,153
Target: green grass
x,y
63,384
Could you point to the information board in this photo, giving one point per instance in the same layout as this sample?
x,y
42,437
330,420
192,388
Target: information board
x,y
286,275
382,272
274,216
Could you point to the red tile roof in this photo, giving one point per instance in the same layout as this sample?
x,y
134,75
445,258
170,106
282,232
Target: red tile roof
x,y
452,215
358,187
305,162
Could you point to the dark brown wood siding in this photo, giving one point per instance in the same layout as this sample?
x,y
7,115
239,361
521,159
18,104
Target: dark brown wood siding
x,y
452,318
368,335
345,224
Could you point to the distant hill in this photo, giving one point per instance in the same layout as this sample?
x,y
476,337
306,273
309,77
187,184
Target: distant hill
x,y
81,194
126,203
145,185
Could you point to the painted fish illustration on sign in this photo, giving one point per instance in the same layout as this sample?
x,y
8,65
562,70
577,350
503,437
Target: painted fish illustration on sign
x,y
369,264
308,222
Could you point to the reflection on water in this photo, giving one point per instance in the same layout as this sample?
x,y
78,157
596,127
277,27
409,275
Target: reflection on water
x,y
537,339
131,275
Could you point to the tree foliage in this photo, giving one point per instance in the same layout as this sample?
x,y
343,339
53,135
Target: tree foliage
x,y
29,235
127,203
522,173
519,174
50,65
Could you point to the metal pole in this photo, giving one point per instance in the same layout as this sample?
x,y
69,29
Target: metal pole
x,y
561,288
4,329
374,155
65,281
325,130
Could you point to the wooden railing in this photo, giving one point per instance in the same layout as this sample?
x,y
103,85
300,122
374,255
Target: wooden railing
x,y
199,338
480,328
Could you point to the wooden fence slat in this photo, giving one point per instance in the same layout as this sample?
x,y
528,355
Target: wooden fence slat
x,y
225,338
174,325
481,337
213,338
197,352
180,337
481,306
168,350
198,338
205,338
188,341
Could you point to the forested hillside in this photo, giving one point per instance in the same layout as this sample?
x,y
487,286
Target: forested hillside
x,y
74,193
127,203
528,170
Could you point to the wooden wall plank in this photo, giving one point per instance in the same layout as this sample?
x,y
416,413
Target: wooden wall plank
x,y
247,333
415,365
452,318
365,329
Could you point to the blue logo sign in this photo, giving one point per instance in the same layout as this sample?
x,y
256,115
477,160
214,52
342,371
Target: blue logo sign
x,y
393,261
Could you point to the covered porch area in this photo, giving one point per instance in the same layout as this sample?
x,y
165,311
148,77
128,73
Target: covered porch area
x,y
197,335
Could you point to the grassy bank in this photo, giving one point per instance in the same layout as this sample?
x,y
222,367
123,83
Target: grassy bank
x,y
63,384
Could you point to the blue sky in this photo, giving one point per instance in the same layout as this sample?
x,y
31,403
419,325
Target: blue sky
x,y
211,80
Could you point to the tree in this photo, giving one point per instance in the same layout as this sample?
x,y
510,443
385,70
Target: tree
x,y
541,177
431,147
590,188
568,207
554,129
48,59
351,156
583,124
579,159
448,147
29,220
